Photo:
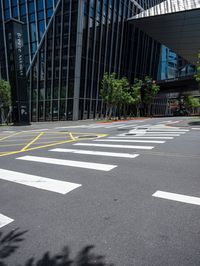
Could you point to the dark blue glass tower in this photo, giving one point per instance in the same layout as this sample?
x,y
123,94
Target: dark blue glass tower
x,y
67,47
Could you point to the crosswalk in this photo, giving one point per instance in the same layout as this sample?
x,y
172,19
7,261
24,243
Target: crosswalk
x,y
135,139
116,125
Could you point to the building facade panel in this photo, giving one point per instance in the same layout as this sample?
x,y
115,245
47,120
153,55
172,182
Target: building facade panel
x,y
70,44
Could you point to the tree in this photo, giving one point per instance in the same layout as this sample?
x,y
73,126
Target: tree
x,y
5,93
191,103
136,95
108,91
150,91
123,96
5,100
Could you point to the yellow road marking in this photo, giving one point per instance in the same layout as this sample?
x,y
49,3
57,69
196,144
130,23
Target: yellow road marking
x,y
26,149
31,142
71,136
9,136
35,148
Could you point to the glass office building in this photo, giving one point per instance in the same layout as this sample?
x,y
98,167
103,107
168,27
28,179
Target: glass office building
x,y
65,48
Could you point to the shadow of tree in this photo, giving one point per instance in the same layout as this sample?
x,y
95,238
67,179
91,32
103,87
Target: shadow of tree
x,y
9,244
85,257
194,123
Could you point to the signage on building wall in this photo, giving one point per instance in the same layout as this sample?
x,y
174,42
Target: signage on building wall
x,y
19,54
17,75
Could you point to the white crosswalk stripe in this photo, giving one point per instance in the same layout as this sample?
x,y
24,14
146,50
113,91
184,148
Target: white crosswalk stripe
x,y
127,126
103,125
155,134
115,146
168,129
39,182
128,140
99,153
123,136
4,220
79,164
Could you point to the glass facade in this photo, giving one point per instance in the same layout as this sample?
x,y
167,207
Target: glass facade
x,y
173,66
70,44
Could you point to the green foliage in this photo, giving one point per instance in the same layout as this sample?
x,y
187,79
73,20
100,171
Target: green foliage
x,y
192,102
118,93
5,93
108,85
150,91
114,92
136,95
197,76
136,91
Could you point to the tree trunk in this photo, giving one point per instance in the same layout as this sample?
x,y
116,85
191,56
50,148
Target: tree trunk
x,y
137,111
110,111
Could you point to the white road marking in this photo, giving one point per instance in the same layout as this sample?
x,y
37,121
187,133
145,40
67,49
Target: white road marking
x,y
44,183
123,136
81,126
175,122
177,197
165,132
126,140
156,135
154,132
168,129
4,220
34,130
8,131
79,164
168,121
115,146
110,154
196,128
127,126
112,126
95,126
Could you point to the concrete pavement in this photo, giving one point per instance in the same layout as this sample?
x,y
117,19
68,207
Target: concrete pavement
x,y
135,202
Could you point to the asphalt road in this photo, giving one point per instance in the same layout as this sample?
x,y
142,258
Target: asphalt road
x,y
125,193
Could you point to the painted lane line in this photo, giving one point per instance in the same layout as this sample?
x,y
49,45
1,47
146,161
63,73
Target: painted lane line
x,y
115,146
169,129
112,126
126,140
35,130
138,137
165,132
175,122
154,132
95,126
4,220
127,126
157,135
130,136
79,164
81,126
32,142
195,128
44,183
99,153
177,197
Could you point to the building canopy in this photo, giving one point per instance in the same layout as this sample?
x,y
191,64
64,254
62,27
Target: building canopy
x,y
174,23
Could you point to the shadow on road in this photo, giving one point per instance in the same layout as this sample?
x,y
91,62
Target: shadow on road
x,y
9,243
194,123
